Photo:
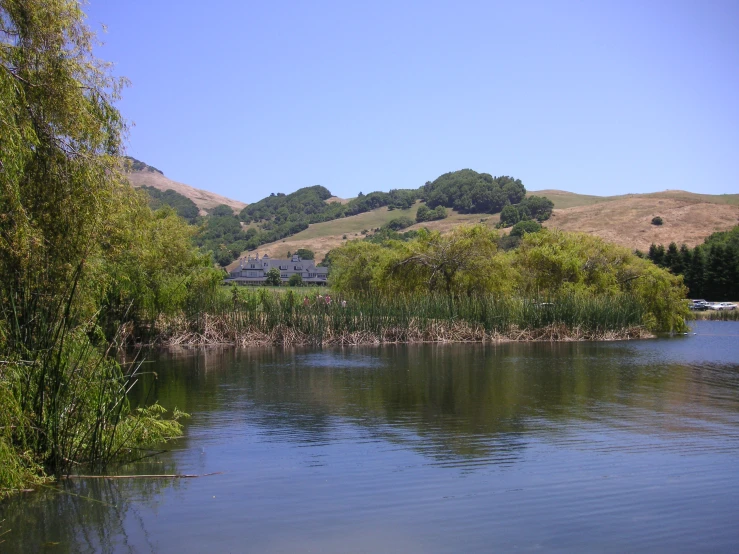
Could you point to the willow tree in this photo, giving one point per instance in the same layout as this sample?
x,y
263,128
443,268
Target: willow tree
x,y
60,183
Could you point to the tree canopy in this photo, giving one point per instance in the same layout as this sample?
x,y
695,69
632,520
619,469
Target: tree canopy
x,y
546,263
710,270
470,192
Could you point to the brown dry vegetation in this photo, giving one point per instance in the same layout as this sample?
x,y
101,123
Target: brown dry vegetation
x,y
203,199
627,220
229,330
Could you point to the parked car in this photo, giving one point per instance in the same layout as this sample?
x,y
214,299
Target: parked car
x,y
698,305
723,306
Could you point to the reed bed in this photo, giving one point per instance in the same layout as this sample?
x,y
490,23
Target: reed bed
x,y
261,317
716,315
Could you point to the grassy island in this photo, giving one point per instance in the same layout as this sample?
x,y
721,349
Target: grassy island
x,y
458,287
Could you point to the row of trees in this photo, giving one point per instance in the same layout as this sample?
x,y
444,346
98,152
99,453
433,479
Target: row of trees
x,y
710,270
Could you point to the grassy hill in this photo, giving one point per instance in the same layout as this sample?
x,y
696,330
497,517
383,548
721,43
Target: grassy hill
x,y
144,175
626,220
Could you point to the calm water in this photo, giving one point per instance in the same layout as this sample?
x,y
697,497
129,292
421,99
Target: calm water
x,y
616,447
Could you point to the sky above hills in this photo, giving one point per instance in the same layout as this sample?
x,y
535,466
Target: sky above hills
x,y
245,98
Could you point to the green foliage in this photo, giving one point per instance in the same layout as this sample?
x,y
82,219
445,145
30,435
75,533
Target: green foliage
x,y
150,262
222,235
62,200
547,263
657,220
423,316
272,279
710,270
305,254
398,223
426,214
534,207
222,210
523,227
296,280
185,208
513,214
470,192
540,207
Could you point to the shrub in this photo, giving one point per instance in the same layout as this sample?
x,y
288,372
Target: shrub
x,y
306,254
296,280
398,223
657,220
273,278
523,227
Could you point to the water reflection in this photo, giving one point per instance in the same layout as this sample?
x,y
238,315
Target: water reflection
x,y
420,446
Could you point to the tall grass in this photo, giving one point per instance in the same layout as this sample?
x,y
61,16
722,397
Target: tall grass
x,y
245,316
63,397
716,315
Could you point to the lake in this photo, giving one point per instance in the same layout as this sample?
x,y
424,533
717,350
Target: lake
x,y
555,447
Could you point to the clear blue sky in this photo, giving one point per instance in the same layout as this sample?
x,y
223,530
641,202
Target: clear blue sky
x,y
245,98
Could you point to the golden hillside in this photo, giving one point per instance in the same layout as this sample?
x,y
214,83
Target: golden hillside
x,y
203,199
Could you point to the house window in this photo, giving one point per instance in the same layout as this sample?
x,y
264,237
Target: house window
x,y
283,275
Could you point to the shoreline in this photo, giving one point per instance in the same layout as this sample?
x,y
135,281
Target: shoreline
x,y
216,332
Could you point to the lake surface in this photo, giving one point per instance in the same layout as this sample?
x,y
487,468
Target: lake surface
x,y
569,447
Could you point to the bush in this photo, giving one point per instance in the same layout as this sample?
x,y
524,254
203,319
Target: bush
x,y
273,278
296,280
398,223
657,220
523,227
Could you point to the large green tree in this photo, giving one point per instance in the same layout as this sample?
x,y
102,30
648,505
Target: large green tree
x,y
61,196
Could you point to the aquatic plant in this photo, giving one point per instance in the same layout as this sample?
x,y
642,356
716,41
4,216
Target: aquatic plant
x,y
247,316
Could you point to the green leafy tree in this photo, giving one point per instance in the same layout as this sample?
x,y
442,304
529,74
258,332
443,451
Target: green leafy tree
x,y
399,223
439,212
62,193
539,207
510,215
306,254
423,213
523,227
272,278
186,208
296,280
222,210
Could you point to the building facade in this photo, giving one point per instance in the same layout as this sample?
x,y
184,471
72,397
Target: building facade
x,y
253,270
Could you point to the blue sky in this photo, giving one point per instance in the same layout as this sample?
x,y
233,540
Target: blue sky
x,y
246,98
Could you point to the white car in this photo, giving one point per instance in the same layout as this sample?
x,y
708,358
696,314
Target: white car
x,y
721,306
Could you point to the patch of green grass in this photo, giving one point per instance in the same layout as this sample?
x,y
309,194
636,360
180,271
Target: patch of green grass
x,y
355,224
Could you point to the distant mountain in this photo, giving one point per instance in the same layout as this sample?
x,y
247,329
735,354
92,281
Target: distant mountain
x,y
141,174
